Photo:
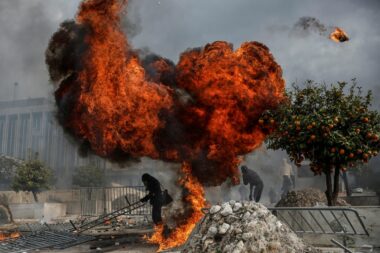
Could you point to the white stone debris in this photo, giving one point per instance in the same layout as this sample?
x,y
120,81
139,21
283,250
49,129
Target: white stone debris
x,y
244,227
227,210
215,209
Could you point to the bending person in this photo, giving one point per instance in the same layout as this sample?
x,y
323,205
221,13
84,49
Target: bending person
x,y
253,179
153,186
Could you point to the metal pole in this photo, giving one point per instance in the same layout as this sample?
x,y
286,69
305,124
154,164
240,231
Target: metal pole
x,y
341,246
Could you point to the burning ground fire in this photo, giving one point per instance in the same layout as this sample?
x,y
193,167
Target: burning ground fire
x,y
195,197
9,235
202,112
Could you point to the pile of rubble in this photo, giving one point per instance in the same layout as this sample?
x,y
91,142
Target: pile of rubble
x,y
247,227
308,197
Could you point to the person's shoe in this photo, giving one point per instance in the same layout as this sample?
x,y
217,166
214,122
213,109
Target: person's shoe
x,y
166,232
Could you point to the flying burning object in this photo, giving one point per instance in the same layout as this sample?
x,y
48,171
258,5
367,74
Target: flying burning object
x,y
339,35
307,25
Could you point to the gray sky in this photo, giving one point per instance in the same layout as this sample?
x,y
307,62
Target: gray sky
x,y
168,27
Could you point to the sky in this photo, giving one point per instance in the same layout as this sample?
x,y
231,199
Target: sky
x,y
169,27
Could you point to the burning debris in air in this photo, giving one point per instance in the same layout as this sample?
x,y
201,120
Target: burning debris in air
x,y
338,35
123,106
307,25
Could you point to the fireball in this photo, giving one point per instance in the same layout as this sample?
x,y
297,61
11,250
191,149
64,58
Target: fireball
x,y
339,35
125,106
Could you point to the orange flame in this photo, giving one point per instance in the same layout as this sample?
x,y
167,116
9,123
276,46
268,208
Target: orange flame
x,y
339,35
195,198
11,235
111,70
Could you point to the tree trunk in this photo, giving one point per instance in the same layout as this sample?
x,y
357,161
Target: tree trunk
x,y
329,188
336,185
346,185
35,196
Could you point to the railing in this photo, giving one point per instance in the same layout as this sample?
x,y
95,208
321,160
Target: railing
x,y
96,201
321,220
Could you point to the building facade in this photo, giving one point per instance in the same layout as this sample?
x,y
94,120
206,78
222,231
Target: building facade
x,y
29,126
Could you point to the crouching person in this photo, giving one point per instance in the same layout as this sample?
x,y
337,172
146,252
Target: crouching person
x,y
253,179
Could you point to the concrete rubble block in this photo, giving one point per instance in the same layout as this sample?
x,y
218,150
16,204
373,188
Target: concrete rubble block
x,y
215,209
239,247
217,217
227,210
246,215
247,236
212,231
223,228
237,206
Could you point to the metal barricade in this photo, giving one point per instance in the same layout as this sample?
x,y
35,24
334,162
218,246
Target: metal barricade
x,y
96,201
322,220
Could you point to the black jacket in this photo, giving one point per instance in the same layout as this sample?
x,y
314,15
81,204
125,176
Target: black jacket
x,y
153,187
251,177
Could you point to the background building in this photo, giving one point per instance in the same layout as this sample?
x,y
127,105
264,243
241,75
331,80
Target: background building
x,y
29,126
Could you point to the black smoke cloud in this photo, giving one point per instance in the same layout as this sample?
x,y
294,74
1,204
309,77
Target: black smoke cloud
x,y
306,25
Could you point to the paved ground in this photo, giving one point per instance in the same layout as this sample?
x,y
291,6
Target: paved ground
x,y
85,248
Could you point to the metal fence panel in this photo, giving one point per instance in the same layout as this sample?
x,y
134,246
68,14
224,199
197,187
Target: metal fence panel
x,y
97,201
321,220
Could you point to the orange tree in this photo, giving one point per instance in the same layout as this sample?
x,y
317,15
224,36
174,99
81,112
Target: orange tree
x,y
331,126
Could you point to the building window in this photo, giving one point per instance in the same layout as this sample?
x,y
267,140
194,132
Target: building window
x,y
24,136
2,129
37,118
12,121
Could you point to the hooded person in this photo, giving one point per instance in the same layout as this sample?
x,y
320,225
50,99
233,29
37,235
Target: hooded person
x,y
153,187
253,179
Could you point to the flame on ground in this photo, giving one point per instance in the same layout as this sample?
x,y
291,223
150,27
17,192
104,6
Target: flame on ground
x,y
339,35
195,197
10,235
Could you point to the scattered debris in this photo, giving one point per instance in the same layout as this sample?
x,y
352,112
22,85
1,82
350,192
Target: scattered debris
x,y
306,198
244,227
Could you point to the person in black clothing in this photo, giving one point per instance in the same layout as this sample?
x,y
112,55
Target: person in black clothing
x,y
154,196
253,179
